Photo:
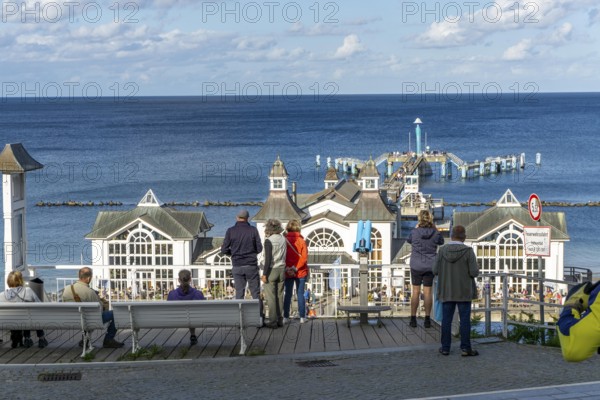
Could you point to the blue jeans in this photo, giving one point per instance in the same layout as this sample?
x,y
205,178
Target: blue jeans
x,y
111,332
464,313
287,300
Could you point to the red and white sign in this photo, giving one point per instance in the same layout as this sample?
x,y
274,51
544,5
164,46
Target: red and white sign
x,y
535,207
537,240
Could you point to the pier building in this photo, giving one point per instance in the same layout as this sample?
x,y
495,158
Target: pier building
x,y
139,245
496,236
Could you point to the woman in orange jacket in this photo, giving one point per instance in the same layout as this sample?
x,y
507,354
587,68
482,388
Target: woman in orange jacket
x,y
296,270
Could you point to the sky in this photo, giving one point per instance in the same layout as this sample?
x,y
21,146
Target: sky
x,y
121,48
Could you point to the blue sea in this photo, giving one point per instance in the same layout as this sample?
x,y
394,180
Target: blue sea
x,y
221,149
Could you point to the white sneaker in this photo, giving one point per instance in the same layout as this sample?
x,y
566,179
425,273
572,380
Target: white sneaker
x,y
286,321
303,320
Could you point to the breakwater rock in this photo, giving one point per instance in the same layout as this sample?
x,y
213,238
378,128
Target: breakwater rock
x,y
207,203
72,203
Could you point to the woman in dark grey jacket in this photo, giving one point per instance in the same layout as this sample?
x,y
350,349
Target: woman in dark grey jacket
x,y
425,239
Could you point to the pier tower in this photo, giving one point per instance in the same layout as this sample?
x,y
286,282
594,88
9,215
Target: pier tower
x,y
331,178
15,162
278,178
279,204
418,122
369,176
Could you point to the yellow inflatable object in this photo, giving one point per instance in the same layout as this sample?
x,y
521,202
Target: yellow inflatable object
x,y
579,323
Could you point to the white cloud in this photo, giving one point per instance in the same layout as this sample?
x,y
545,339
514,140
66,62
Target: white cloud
x,y
562,35
528,47
593,16
364,21
518,52
338,73
253,43
320,29
499,16
351,46
444,34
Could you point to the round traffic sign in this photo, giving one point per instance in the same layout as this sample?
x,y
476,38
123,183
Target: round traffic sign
x,y
535,207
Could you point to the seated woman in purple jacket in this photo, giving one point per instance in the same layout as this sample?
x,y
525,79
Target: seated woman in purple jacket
x,y
186,292
425,239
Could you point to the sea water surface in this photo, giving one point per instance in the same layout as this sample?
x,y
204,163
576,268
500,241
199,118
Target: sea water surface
x,y
221,149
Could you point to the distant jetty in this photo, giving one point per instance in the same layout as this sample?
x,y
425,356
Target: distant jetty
x,y
206,203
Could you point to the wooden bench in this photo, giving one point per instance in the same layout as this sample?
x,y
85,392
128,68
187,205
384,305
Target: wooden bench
x,y
84,317
136,315
349,310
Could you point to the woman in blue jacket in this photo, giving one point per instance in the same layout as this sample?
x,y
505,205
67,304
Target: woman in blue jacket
x,y
425,239
186,292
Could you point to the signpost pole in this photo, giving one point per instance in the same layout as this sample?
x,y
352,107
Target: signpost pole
x,y
541,292
535,211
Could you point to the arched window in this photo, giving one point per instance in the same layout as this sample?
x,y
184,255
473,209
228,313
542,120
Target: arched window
x,y
324,239
222,259
376,254
140,245
140,248
502,251
510,251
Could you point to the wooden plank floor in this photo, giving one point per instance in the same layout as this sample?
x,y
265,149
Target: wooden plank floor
x,y
317,335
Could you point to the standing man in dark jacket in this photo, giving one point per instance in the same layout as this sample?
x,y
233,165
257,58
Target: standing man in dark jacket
x,y
456,266
242,243
425,239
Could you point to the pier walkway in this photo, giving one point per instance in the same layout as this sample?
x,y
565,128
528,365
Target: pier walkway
x,y
317,335
302,361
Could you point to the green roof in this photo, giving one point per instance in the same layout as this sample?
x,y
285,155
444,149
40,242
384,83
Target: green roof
x,y
325,194
348,190
372,207
369,170
175,224
331,174
278,169
204,247
15,159
280,206
480,224
330,215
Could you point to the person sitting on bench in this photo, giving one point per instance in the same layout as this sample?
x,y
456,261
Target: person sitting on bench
x,y
80,291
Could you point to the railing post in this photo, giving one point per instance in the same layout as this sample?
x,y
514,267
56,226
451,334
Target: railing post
x,y
488,312
541,293
505,306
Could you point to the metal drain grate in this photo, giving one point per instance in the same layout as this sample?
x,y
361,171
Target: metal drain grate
x,y
316,364
59,376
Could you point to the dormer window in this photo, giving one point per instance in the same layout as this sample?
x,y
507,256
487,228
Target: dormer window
x,y
370,184
277,183
330,184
